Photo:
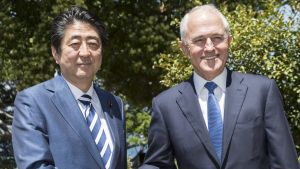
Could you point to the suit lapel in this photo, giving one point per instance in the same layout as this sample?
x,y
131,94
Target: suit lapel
x,y
66,104
235,95
110,111
188,103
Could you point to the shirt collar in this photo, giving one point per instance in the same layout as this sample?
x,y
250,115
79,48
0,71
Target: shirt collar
x,y
77,93
220,80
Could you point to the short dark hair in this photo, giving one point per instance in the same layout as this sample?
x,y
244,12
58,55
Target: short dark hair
x,y
68,17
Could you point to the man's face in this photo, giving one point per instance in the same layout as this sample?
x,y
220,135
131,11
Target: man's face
x,y
80,56
206,44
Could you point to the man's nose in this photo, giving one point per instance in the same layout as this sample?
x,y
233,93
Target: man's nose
x,y
84,50
209,45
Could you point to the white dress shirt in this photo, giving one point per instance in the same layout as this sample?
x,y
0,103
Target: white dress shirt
x,y
77,93
202,92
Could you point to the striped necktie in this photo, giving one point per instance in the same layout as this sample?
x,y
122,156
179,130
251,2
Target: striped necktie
x,y
97,130
215,124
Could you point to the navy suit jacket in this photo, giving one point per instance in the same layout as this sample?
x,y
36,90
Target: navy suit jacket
x,y
49,130
256,133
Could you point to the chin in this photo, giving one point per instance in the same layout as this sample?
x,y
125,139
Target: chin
x,y
210,68
211,71
83,75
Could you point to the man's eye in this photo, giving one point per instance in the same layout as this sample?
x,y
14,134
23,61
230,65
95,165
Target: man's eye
x,y
217,39
200,41
75,45
94,46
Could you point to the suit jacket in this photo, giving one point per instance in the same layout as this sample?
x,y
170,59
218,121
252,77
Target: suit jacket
x,y
256,133
49,130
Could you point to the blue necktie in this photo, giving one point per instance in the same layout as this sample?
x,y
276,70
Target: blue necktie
x,y
96,129
215,124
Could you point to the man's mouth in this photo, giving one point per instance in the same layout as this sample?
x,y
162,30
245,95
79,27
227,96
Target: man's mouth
x,y
210,57
83,64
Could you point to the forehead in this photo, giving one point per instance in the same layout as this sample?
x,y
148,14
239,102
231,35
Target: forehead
x,y
80,30
204,23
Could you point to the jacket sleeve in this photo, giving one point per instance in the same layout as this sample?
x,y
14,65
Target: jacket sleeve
x,y
159,153
281,148
29,135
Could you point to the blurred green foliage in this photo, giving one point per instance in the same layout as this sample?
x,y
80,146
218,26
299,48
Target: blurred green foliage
x,y
142,56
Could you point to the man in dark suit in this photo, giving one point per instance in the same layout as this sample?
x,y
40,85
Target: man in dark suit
x,y
68,122
218,119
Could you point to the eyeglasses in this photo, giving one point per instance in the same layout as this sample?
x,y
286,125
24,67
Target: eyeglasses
x,y
214,40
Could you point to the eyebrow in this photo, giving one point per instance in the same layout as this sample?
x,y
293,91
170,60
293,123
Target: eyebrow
x,y
88,37
205,36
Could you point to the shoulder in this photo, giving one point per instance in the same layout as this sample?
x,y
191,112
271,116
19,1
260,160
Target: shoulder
x,y
51,85
38,92
250,76
34,90
105,93
173,92
252,79
255,83
110,96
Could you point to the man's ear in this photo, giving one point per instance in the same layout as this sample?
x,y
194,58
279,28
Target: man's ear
x,y
184,48
55,54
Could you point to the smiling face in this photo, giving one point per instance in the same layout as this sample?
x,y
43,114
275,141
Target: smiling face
x,y
206,44
80,57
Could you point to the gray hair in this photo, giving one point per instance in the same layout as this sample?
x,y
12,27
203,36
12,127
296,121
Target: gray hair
x,y
208,8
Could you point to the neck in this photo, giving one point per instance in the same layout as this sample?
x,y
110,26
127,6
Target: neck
x,y
209,76
83,87
84,84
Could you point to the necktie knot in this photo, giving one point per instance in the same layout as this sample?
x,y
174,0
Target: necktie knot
x,y
85,99
210,86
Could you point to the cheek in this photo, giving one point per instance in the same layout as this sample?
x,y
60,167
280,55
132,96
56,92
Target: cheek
x,y
98,61
223,50
224,55
69,56
197,61
196,53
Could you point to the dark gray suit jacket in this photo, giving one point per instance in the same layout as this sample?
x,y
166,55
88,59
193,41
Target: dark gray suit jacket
x,y
256,132
49,130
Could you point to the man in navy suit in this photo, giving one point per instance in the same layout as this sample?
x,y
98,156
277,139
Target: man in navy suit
x,y
246,127
52,127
